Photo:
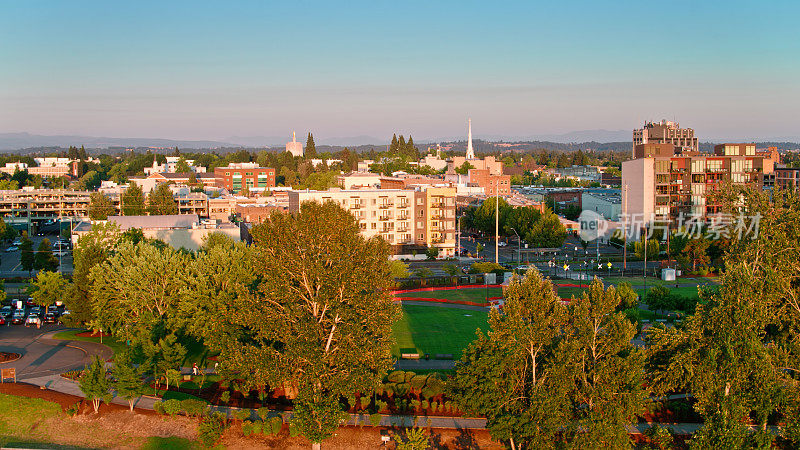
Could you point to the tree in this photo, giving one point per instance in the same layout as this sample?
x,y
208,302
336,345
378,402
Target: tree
x,y
653,247
48,287
696,251
311,148
133,201
483,218
182,166
602,368
739,353
464,168
160,202
92,249
100,206
508,374
398,268
547,232
26,258
94,384
44,259
320,320
136,290
9,185
478,248
451,269
127,378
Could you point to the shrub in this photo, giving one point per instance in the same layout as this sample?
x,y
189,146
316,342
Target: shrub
x,y
375,419
273,425
158,407
409,376
242,414
225,397
398,376
73,410
364,402
448,406
256,427
434,406
401,389
191,407
418,382
425,404
172,407
415,404
263,413
211,429
247,428
293,430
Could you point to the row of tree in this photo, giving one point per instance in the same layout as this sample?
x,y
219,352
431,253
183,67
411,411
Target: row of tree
x,y
538,228
160,201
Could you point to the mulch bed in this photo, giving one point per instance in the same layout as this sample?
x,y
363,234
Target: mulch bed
x,y
65,400
8,357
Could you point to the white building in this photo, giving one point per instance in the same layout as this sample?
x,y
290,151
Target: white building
x,y
294,147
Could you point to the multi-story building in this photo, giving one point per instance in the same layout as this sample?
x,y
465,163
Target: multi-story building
x,y
238,176
787,177
665,132
491,184
402,217
664,182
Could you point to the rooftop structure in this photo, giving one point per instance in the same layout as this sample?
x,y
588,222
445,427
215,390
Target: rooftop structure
x,y
294,147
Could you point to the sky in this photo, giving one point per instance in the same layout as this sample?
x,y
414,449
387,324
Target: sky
x,y
212,70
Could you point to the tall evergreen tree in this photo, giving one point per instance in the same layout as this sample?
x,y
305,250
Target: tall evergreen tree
x,y
394,146
160,202
311,148
26,258
44,259
133,201
100,206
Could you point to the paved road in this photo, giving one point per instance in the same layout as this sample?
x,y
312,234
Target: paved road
x,y
42,355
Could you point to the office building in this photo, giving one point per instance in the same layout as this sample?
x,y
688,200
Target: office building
x,y
236,177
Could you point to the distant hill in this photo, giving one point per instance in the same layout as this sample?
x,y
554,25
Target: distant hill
x,y
16,141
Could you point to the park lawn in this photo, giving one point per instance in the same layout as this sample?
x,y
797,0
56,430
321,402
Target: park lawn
x,y
110,341
170,443
436,330
19,418
173,395
686,291
472,294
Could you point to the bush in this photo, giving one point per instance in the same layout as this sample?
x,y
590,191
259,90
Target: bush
x,y
158,407
73,410
293,430
273,425
409,376
191,407
247,428
263,413
364,402
211,429
398,376
434,406
401,389
375,419
225,397
242,414
486,267
172,407
418,381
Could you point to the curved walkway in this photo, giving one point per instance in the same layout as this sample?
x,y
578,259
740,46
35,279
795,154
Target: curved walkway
x,y
42,355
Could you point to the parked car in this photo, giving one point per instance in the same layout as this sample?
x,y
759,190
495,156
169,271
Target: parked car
x,y
12,248
58,253
2,320
50,318
17,242
5,312
52,309
35,311
501,244
29,302
18,317
64,314
33,319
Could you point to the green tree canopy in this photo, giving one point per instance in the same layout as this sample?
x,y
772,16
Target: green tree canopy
x,y
161,202
133,201
44,259
48,287
100,206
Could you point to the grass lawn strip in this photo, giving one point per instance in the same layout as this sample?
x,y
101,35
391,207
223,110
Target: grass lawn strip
x,y
436,330
471,294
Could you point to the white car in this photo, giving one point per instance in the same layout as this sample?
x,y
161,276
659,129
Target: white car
x,y
33,319
501,244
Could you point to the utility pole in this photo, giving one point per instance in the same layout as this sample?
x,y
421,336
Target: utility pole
x,y
497,223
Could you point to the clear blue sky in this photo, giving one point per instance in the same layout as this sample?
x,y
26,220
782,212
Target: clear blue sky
x,y
209,70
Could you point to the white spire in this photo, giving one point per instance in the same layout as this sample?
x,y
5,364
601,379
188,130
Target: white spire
x,y
470,152
293,138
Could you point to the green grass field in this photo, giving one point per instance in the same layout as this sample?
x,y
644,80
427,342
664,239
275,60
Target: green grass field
x,y
19,417
436,330
686,291
476,294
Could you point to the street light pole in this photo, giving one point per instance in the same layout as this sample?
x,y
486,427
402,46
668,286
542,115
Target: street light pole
x,y
497,224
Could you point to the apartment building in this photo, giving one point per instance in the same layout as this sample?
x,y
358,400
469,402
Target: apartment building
x,y
665,182
403,217
35,205
665,132
238,176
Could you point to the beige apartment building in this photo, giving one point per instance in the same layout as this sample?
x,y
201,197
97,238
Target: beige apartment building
x,y
405,218
664,183
665,132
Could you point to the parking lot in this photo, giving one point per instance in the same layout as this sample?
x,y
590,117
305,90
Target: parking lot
x,y
10,260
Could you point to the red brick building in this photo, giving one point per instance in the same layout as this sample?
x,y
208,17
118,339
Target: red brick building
x,y
491,184
237,176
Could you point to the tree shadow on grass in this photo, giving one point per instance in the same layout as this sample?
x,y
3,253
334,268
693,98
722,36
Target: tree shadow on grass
x,y
21,443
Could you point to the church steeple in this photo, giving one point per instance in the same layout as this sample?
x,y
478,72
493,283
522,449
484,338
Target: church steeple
x,y
470,152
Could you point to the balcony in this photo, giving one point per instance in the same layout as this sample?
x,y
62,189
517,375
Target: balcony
x,y
386,205
384,218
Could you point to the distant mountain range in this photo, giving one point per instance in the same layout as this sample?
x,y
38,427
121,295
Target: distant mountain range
x,y
594,139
